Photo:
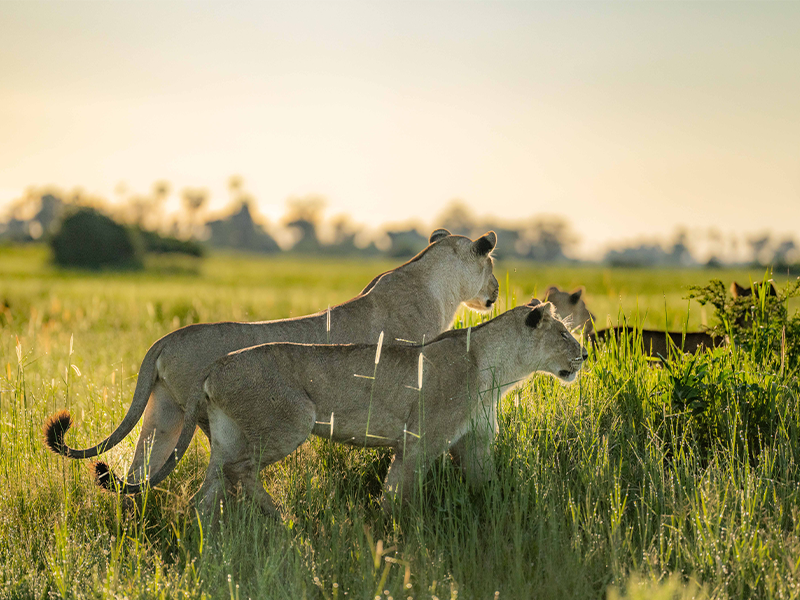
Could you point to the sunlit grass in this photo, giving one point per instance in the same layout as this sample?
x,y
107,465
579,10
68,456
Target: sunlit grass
x,y
603,483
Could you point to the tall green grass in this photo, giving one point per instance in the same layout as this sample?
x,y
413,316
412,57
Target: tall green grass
x,y
616,486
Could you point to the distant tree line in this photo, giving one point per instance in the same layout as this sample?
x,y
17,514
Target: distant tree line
x,y
90,232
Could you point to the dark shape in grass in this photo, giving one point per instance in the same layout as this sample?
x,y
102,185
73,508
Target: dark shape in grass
x,y
102,475
658,343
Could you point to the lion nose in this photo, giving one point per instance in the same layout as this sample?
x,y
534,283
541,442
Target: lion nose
x,y
584,353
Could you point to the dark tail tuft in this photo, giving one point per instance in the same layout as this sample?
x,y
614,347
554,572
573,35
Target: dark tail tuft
x,y
54,429
103,475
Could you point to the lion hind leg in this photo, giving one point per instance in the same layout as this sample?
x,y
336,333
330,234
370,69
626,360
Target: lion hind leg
x,y
240,450
228,446
161,428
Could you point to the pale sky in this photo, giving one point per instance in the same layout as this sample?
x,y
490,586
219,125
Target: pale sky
x,y
626,118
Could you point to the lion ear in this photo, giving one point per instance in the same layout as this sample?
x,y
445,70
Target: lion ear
x,y
575,296
738,291
534,302
485,244
534,317
771,291
438,234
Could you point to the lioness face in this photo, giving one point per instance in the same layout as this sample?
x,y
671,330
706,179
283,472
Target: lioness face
x,y
558,352
473,264
571,308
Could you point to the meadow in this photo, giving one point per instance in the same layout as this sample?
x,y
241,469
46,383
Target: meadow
x,y
673,481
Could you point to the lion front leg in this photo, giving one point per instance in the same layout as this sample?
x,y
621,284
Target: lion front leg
x,y
409,466
400,484
472,452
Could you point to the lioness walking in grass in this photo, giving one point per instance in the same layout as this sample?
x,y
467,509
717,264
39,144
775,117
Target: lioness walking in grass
x,y
412,303
263,402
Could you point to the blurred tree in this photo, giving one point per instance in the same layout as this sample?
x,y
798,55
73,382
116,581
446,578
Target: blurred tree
x,y
194,200
161,190
145,211
50,212
457,218
546,238
785,251
680,253
758,248
240,231
235,186
136,210
303,216
89,239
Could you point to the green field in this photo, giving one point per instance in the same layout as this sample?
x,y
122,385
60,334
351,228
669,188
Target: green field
x,y
610,484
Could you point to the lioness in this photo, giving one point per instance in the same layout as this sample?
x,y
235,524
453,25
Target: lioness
x,y
414,302
571,307
756,289
746,300
263,402
654,342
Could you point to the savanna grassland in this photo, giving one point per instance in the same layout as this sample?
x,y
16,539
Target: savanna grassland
x,y
678,480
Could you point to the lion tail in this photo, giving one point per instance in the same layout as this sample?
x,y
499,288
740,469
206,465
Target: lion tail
x,y
106,478
57,425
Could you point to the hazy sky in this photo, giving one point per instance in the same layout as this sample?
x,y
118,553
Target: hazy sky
x,y
626,118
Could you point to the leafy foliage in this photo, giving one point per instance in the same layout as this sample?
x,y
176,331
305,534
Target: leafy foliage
x,y
88,239
161,244
758,323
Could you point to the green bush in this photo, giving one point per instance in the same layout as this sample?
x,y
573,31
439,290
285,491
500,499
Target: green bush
x,y
88,239
758,323
159,244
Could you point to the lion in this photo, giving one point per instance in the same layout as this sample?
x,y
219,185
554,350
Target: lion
x,y
571,307
756,289
264,402
656,342
745,301
411,304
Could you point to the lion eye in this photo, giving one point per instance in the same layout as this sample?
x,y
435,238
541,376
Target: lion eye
x,y
564,335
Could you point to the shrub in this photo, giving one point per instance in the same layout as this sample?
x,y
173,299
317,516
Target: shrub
x,y
159,244
719,400
88,239
759,323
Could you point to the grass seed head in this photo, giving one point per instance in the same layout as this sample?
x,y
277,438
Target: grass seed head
x,y
378,351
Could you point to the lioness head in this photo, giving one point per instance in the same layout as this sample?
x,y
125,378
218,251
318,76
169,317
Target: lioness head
x,y
737,291
557,351
470,262
746,299
571,307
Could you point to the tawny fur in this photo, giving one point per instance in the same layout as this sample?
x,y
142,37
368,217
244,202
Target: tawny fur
x,y
415,302
263,402
571,307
